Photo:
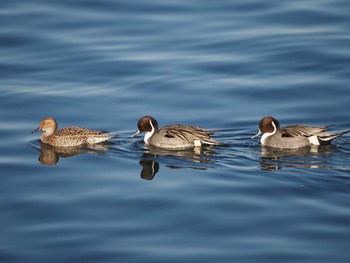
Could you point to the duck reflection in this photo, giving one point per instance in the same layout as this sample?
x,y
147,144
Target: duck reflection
x,y
149,166
307,157
50,155
202,155
174,159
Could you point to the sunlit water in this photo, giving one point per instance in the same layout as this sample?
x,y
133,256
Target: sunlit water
x,y
220,65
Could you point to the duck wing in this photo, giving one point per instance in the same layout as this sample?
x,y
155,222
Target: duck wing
x,y
77,131
304,131
189,133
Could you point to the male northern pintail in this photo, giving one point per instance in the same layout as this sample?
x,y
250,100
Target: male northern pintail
x,y
69,136
293,136
175,136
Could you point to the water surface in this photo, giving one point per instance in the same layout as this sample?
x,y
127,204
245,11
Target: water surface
x,y
219,65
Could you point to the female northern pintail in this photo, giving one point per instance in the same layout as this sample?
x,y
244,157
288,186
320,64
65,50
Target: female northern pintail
x,y
173,136
293,136
69,136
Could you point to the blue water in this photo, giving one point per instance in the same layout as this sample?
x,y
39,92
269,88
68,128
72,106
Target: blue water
x,y
216,64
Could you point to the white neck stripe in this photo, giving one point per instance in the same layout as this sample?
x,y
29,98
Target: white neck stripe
x,y
274,128
268,134
149,134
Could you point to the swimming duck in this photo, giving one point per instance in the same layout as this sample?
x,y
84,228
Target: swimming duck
x,y
293,136
68,136
175,136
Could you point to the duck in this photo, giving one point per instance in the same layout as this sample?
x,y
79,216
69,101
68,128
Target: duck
x,y
69,136
173,137
293,136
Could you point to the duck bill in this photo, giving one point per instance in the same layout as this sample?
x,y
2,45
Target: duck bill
x,y
36,130
136,133
256,135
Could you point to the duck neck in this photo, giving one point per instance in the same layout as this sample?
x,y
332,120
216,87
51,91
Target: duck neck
x,y
266,135
49,131
44,137
149,134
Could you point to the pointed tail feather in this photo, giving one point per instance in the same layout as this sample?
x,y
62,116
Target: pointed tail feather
x,y
328,138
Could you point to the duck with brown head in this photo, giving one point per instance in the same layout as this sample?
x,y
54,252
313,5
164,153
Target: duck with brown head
x,y
293,136
173,137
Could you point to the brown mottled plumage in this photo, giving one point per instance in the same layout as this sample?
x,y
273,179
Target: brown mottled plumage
x,y
69,136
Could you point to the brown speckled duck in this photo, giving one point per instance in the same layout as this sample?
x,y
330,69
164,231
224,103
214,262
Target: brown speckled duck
x,y
68,136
